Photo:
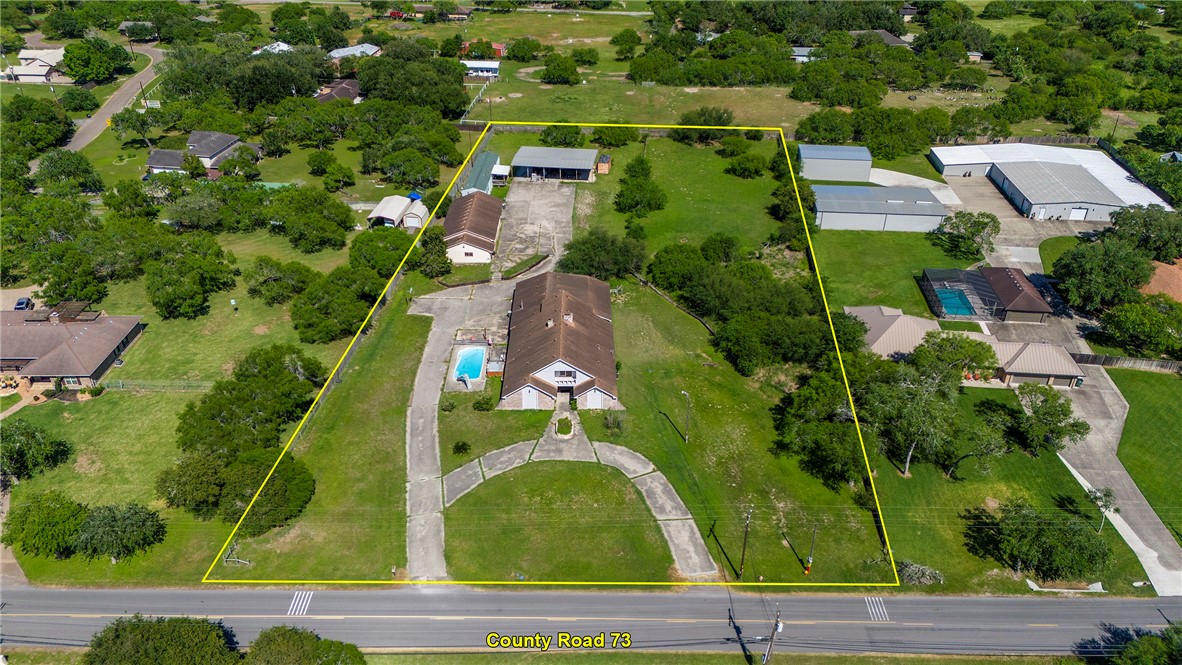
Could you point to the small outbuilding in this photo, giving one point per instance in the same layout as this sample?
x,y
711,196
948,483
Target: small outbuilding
x,y
554,163
604,165
471,228
850,163
1041,190
400,212
877,208
483,69
480,173
1036,362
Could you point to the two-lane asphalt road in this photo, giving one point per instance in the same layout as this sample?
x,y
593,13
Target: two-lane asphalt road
x,y
458,618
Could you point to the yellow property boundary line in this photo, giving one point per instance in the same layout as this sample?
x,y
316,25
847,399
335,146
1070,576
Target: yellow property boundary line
x,y
369,316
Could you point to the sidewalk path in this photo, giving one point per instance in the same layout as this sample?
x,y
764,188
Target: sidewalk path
x,y
690,556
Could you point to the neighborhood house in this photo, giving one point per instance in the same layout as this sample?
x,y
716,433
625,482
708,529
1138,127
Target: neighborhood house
x,y
561,344
38,66
471,227
212,148
1005,294
65,342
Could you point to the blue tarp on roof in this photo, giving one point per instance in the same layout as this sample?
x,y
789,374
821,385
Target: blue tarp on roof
x,y
855,153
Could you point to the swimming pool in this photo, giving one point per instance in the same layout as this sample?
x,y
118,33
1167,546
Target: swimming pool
x,y
470,363
955,302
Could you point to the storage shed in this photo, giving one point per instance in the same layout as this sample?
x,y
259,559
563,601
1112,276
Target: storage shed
x,y
1054,191
554,163
877,208
835,162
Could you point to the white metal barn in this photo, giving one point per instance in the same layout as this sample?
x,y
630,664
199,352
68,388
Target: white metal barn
x,y
877,208
1054,191
835,162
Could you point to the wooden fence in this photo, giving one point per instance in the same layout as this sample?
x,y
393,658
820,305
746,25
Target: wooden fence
x,y
1128,363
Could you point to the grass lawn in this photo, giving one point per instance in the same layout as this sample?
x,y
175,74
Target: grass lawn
x,y
355,445
43,657
1151,437
674,658
588,28
8,400
466,274
122,440
561,521
484,431
877,268
968,326
247,246
701,198
117,160
202,349
923,513
727,464
917,165
1051,249
43,91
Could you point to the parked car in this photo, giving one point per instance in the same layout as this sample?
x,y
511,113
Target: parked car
x,y
23,304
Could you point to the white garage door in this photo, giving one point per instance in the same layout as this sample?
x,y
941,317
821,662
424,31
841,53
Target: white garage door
x,y
529,399
1079,213
593,401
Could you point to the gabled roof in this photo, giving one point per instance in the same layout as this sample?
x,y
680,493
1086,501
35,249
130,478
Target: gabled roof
x,y
877,200
858,153
50,56
555,158
166,159
480,173
1015,291
482,64
208,144
72,348
887,38
1035,358
274,47
360,50
890,332
473,219
1057,183
391,207
558,316
340,89
29,70
205,19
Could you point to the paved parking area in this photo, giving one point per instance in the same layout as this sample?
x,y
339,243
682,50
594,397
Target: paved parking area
x,y
538,219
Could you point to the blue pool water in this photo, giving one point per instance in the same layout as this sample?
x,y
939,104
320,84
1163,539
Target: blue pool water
x,y
955,302
470,361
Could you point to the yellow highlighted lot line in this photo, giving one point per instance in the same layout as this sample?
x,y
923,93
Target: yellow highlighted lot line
x,y
365,324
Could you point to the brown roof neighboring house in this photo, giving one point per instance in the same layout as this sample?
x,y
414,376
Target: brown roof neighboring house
x,y
560,317
475,219
891,333
887,38
1015,291
1166,280
340,89
1035,359
57,344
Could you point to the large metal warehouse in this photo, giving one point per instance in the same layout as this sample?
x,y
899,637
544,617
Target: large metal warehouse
x,y
877,208
554,163
1054,191
835,162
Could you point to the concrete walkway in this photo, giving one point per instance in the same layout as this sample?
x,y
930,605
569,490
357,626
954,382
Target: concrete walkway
x,y
941,191
690,556
451,310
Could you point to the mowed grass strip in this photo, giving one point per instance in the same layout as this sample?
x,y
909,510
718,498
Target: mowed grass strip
x,y
1051,249
355,445
877,268
248,246
923,513
122,441
1151,437
727,465
484,431
555,521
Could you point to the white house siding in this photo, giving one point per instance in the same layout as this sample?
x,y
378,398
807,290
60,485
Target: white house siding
x,y
835,169
847,221
958,170
597,399
528,398
549,373
459,254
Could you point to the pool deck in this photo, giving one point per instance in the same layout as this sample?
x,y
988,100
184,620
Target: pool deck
x,y
474,385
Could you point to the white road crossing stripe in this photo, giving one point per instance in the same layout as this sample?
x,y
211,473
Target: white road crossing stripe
x,y
877,609
299,604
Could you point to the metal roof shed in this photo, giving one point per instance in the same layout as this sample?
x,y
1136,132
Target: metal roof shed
x,y
877,208
835,162
554,163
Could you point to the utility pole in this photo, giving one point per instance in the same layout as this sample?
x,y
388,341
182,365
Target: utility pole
x,y
776,628
808,567
685,434
743,557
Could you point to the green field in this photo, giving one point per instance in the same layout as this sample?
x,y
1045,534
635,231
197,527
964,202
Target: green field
x,y
8,400
877,268
555,521
355,446
247,246
917,165
1151,437
701,198
122,440
726,464
1051,249
924,513
466,274
484,431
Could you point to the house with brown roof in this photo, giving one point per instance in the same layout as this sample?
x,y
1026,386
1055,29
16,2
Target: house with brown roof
x,y
340,89
471,227
561,344
1035,362
889,332
65,342
1019,299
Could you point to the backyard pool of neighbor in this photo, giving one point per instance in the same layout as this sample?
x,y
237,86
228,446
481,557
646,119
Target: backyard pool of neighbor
x,y
955,302
469,364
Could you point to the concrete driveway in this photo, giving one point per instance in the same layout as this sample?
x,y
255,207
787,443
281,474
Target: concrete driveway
x,y
8,297
538,219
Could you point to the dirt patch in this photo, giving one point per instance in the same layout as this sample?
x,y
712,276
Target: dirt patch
x,y
515,95
228,367
992,504
690,89
87,464
1167,280
630,92
545,87
261,329
294,535
1120,118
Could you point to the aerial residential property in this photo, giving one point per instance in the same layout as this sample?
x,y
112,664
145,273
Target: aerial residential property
x,y
400,211
471,228
67,343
